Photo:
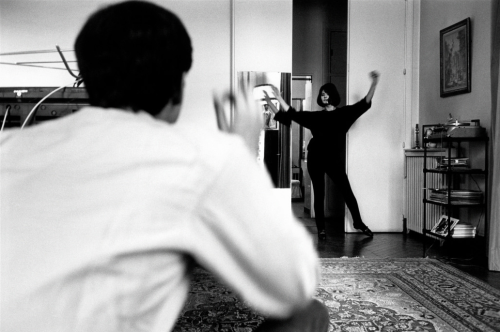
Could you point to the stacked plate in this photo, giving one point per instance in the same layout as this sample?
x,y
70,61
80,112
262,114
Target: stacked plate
x,y
454,162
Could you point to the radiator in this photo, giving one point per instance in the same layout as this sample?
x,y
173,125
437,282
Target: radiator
x,y
414,193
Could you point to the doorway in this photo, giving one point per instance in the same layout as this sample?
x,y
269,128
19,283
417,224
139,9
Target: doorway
x,y
320,52
375,36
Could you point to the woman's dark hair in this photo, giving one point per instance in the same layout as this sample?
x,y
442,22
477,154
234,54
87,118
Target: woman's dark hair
x,y
333,95
133,54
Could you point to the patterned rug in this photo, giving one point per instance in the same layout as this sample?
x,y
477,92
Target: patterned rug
x,y
407,294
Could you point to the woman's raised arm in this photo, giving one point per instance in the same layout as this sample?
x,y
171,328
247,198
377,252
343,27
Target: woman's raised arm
x,y
374,76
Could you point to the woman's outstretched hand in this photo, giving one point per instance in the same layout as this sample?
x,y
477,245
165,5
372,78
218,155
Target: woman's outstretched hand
x,y
374,75
247,122
276,92
277,95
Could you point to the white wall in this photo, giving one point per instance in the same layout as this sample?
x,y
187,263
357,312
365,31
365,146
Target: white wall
x,y
39,25
435,16
263,35
375,141
263,42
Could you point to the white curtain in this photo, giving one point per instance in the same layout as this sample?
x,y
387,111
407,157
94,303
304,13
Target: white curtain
x,y
494,219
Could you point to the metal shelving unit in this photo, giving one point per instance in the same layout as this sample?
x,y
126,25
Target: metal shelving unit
x,y
452,176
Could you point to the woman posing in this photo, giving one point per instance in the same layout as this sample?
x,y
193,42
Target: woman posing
x,y
328,128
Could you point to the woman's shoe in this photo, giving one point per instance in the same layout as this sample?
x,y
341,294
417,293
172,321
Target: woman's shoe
x,y
363,228
322,235
367,232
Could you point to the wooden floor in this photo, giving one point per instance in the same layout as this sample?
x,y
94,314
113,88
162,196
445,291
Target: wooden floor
x,y
394,245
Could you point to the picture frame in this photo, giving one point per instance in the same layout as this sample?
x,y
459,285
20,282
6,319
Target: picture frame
x,y
441,226
455,56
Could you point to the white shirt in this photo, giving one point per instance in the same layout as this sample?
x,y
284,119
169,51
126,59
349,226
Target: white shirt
x,y
102,211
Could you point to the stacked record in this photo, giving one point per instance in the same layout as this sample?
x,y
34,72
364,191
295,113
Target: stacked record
x,y
456,196
463,231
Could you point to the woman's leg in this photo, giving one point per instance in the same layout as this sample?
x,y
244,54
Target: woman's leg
x,y
341,180
313,318
316,171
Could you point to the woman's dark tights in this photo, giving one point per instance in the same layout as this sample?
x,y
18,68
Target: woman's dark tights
x,y
318,166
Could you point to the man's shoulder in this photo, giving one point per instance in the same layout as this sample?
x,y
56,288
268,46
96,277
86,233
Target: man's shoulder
x,y
210,143
142,124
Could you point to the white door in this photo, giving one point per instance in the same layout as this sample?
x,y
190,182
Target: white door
x,y
375,155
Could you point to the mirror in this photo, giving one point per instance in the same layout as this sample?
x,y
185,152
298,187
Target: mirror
x,y
275,139
301,182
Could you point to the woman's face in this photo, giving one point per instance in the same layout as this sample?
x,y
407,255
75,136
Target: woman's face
x,y
324,97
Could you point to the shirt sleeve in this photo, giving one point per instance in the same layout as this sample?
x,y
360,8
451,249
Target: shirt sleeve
x,y
305,119
355,111
254,245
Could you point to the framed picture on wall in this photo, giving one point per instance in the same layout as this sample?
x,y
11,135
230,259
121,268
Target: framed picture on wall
x,y
455,48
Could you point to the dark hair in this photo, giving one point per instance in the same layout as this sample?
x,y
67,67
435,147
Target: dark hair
x,y
133,54
333,95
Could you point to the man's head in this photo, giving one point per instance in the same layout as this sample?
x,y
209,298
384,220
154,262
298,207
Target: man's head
x,y
134,55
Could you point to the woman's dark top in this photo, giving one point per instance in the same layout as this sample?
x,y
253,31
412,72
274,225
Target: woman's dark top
x,y
328,128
